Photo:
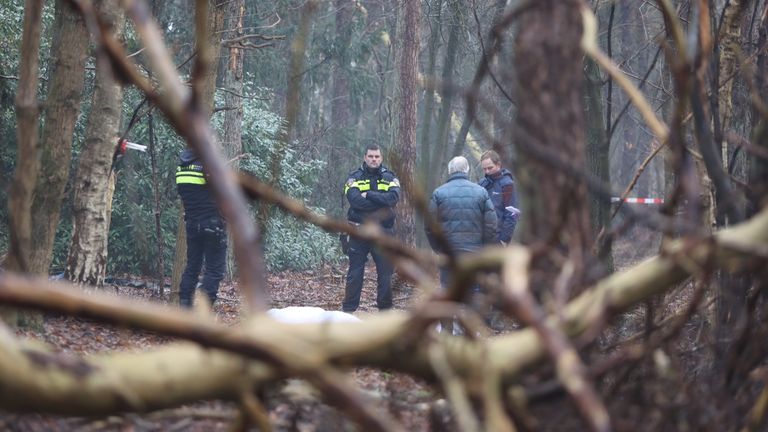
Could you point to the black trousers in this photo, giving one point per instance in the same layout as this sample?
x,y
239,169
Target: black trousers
x,y
358,256
206,243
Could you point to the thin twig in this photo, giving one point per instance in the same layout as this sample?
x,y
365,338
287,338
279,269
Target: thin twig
x,y
571,371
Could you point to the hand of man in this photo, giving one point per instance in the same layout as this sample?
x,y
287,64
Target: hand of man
x,y
364,194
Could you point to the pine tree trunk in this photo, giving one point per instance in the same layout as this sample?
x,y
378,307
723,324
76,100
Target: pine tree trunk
x,y
598,157
550,81
405,144
232,80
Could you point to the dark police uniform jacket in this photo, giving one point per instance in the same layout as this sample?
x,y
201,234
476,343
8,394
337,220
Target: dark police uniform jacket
x,y
199,205
383,192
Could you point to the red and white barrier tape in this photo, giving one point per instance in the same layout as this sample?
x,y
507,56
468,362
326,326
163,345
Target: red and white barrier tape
x,y
639,200
129,145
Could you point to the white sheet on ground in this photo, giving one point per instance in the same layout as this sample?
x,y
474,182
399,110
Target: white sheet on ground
x,y
309,314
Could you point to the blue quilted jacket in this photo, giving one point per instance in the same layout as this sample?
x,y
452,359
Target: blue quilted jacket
x,y
465,213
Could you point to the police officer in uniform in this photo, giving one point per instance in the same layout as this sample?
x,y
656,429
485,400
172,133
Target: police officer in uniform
x,y
372,191
206,230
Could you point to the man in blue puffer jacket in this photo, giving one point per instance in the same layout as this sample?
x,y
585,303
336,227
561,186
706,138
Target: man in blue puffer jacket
x,y
500,185
464,210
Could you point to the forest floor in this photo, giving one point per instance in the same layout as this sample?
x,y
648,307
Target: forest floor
x,y
291,407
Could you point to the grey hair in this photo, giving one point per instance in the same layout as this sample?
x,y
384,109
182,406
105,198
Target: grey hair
x,y
458,164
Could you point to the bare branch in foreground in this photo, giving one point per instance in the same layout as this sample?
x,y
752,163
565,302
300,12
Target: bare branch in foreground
x,y
283,354
108,383
571,371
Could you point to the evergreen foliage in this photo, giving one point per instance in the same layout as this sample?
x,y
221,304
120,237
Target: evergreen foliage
x,y
290,244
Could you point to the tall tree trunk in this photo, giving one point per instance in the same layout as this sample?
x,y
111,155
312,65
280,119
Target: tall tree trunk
x,y
67,71
629,42
216,13
208,91
405,143
426,149
443,126
342,135
494,120
598,158
95,184
729,51
551,126
232,71
758,167
731,290
27,163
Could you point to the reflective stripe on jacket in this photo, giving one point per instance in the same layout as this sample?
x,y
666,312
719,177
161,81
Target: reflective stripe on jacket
x,y
190,174
382,192
196,196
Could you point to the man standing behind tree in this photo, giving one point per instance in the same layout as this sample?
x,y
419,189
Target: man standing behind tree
x,y
206,230
500,185
372,191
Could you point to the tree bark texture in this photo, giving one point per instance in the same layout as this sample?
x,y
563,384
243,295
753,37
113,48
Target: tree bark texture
x,y
95,180
405,144
233,81
758,167
232,135
730,51
550,124
551,118
216,13
67,71
27,162
598,157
